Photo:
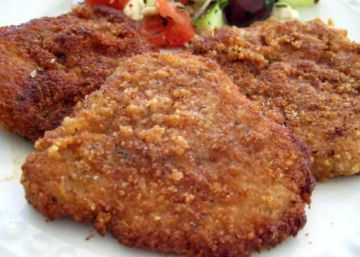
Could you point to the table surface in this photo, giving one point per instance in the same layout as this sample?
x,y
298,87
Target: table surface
x,y
355,4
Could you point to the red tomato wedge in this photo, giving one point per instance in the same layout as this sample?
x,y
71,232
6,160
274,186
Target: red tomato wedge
x,y
117,4
171,29
181,29
154,29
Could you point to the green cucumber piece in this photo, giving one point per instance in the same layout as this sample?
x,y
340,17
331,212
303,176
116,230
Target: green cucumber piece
x,y
299,3
212,19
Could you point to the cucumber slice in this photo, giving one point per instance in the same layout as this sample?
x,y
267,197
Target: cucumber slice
x,y
212,19
300,3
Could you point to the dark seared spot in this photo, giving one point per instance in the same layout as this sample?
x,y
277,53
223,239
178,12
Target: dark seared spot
x,y
61,57
339,131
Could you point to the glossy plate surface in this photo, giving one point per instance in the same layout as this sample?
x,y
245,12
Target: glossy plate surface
x,y
333,228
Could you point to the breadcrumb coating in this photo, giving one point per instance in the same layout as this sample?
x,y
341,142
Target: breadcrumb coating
x,y
49,64
306,76
168,156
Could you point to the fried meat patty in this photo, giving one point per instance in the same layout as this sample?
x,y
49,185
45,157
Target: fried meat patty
x,y
49,64
305,75
169,156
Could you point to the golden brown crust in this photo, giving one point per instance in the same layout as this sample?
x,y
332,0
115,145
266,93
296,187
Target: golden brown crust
x,y
49,64
305,76
169,157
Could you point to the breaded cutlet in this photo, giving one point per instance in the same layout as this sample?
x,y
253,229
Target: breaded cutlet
x,y
168,156
47,65
304,75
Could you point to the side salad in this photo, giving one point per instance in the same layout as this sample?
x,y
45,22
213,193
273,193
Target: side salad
x,y
172,23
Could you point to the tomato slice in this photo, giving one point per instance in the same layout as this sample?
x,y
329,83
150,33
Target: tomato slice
x,y
153,28
117,4
184,2
171,28
181,30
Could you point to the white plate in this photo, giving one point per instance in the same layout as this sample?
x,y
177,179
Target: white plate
x,y
333,228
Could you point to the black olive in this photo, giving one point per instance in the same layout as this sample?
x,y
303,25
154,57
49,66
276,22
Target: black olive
x,y
244,12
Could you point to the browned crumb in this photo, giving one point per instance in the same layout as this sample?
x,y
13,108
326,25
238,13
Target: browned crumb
x,y
168,156
49,64
306,76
